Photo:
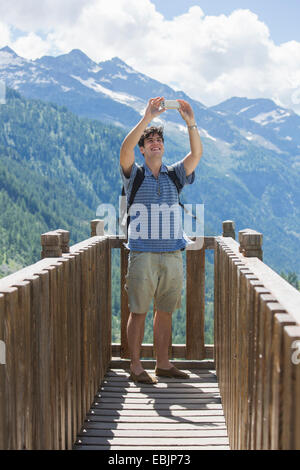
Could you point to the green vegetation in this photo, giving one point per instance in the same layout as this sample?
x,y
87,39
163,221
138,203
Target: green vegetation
x,y
292,278
178,318
56,168
54,171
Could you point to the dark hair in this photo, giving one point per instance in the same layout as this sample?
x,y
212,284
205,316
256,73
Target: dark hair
x,y
150,131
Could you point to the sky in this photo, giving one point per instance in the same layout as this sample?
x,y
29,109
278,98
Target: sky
x,y
210,49
281,16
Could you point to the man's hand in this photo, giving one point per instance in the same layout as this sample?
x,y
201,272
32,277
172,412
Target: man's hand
x,y
153,109
131,140
186,112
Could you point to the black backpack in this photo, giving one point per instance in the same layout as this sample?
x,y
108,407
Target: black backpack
x,y
139,178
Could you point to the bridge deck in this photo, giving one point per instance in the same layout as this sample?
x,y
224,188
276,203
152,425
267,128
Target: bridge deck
x,y
169,415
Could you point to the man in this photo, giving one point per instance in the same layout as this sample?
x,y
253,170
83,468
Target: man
x,y
155,262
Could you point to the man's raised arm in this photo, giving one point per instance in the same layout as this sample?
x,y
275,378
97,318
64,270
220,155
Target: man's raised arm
x,y
192,159
131,140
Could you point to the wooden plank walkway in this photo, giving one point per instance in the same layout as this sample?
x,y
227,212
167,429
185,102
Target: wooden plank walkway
x,y
169,415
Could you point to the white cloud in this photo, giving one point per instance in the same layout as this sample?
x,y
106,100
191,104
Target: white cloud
x,y
211,58
5,36
106,29
31,46
41,15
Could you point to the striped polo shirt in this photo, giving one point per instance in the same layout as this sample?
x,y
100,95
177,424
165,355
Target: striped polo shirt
x,y
155,215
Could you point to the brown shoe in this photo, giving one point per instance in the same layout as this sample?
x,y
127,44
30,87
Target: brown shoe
x,y
172,372
143,378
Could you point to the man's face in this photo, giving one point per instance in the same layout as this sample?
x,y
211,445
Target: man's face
x,y
153,147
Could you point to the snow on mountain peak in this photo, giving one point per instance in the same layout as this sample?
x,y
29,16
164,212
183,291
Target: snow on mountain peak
x,y
9,51
120,63
277,115
112,90
123,98
9,57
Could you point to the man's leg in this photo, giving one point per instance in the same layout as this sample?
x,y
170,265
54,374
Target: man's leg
x,y
162,330
162,335
135,335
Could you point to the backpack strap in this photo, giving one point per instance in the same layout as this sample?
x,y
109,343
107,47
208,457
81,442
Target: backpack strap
x,y
138,179
172,175
179,186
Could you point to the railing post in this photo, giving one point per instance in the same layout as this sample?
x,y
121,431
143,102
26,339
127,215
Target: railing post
x,y
65,240
124,352
195,303
51,245
251,243
55,243
97,227
228,228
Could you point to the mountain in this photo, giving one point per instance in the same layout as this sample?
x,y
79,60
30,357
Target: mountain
x,y
115,93
250,169
54,172
110,91
263,122
55,169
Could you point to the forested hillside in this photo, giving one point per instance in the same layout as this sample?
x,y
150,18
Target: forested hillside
x,y
56,168
54,171
250,168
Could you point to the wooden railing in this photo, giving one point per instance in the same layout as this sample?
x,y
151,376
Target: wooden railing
x,y
55,340
55,321
257,347
195,347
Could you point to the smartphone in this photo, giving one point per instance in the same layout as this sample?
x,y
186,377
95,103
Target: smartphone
x,y
170,104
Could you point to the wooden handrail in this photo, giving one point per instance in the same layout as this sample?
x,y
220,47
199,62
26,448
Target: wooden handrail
x,y
257,323
55,322
55,329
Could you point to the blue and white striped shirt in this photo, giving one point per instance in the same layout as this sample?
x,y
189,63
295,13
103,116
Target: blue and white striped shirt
x,y
155,215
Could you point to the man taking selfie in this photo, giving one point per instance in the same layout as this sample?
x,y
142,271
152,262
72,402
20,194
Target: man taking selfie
x,y
155,239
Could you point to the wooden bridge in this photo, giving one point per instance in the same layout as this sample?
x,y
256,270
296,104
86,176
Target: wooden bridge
x,y
64,385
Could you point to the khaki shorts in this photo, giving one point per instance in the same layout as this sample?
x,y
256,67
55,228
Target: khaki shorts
x,y
154,275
